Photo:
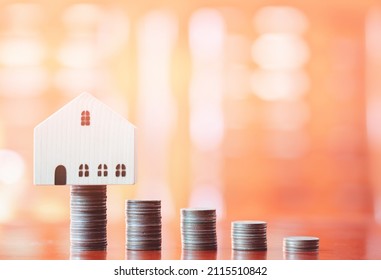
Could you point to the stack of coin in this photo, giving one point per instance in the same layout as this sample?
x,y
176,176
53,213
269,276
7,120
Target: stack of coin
x,y
143,225
301,244
88,213
198,229
249,235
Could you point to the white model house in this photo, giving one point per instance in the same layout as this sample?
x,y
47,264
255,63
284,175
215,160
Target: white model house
x,y
84,143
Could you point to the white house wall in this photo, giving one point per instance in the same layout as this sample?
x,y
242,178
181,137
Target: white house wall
x,y
61,140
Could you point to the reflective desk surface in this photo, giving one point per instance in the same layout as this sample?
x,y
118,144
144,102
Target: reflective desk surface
x,y
346,240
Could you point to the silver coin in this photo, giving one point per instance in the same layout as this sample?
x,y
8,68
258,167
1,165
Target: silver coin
x,y
156,241
199,248
299,245
201,237
250,246
143,248
144,220
144,233
288,250
249,234
301,239
194,214
256,248
249,224
253,230
144,201
251,241
143,227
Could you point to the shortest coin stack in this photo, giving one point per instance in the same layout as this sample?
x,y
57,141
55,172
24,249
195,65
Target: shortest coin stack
x,y
198,229
143,225
249,235
300,244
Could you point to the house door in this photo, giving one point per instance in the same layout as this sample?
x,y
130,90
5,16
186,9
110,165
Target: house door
x,y
60,175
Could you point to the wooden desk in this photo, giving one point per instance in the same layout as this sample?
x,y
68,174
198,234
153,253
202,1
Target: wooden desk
x,y
338,240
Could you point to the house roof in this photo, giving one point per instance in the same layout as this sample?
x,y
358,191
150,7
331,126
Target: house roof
x,y
85,98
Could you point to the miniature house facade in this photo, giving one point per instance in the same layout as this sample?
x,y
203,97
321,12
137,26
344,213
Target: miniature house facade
x,y
84,143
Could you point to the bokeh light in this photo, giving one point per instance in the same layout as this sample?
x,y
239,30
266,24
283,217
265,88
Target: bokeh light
x,y
279,85
275,51
206,34
235,103
11,167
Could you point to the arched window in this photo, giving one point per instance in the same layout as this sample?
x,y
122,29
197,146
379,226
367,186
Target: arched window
x,y
85,118
102,169
83,170
120,170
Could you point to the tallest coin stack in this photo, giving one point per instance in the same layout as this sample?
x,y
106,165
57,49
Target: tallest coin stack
x,y
88,214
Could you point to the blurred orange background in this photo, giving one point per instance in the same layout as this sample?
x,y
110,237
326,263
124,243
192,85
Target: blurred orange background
x,y
261,109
